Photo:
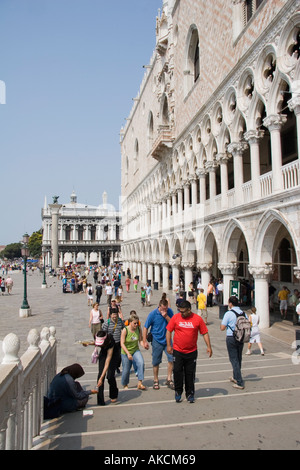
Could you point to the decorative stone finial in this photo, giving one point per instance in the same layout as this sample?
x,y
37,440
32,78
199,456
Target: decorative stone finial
x,y
11,348
33,340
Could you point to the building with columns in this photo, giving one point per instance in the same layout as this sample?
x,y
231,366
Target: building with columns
x,y
79,233
210,150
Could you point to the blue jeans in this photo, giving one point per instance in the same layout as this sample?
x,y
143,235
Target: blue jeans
x,y
137,361
235,350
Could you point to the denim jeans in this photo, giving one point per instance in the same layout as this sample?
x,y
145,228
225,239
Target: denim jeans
x,y
137,361
235,350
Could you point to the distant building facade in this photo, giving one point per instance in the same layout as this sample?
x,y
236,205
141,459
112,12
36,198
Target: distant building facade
x,y
210,150
85,234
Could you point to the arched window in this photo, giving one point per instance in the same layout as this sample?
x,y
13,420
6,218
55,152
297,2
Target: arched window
x,y
192,59
150,131
165,112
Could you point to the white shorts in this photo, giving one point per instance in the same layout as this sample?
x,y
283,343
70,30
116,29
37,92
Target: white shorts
x,y
283,305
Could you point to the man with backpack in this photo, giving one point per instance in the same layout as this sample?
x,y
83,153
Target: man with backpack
x,y
236,322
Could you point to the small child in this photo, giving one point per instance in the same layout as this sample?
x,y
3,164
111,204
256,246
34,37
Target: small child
x,y
143,296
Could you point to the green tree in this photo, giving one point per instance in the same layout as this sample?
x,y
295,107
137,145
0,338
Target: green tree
x,y
35,244
11,251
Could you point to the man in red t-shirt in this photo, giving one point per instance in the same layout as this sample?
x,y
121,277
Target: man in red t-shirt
x,y
186,326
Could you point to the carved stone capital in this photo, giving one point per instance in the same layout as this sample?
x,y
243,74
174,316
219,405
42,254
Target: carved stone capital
x,y
274,122
228,268
260,271
297,272
204,266
254,136
237,148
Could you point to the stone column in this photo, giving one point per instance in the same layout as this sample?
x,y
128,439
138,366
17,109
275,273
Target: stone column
x,y
294,105
228,272
188,276
201,173
237,149
253,137
175,275
180,200
144,272
55,207
150,273
186,194
261,286
274,123
205,269
165,276
157,273
222,159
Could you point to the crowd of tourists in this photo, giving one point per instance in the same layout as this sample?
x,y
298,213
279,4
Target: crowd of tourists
x,y
118,342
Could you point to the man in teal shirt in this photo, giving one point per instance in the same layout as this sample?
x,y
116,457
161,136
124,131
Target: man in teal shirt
x,y
158,320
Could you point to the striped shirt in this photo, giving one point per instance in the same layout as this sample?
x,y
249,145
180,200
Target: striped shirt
x,y
115,329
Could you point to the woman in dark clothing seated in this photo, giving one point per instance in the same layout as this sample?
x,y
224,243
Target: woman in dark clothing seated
x,y
67,392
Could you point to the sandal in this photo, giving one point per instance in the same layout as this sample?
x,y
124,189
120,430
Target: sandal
x,y
156,386
170,384
141,387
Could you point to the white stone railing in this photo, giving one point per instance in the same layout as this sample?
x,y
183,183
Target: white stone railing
x,y
290,174
23,383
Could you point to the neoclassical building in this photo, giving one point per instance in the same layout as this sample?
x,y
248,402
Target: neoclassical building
x,y
210,150
79,233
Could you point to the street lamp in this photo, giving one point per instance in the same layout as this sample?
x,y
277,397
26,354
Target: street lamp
x,y
44,252
25,310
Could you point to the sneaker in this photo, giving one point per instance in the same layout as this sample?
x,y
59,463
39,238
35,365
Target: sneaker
x,y
233,380
191,399
178,398
248,353
240,387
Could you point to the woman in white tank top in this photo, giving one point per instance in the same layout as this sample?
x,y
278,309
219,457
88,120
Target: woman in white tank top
x,y
95,323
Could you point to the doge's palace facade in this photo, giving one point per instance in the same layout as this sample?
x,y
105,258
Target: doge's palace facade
x,y
210,150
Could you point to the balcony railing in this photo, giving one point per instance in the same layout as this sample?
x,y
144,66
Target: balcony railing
x,y
163,142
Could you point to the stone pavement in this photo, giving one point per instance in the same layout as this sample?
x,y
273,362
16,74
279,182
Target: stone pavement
x,y
263,416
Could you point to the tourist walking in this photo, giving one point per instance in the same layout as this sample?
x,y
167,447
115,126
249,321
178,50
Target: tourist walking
x,y
98,292
186,326
114,326
148,290
89,294
201,300
127,283
210,293
283,295
96,320
135,284
157,320
109,292
234,347
255,333
9,284
130,353
143,296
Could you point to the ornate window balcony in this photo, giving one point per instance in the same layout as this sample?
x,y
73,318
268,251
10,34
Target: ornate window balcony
x,y
163,142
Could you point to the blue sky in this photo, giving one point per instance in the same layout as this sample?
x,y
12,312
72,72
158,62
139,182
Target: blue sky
x,y
71,69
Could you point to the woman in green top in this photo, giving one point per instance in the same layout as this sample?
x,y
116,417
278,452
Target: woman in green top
x,y
130,353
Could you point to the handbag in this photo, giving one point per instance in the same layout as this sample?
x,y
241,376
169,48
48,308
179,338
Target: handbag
x,y
149,337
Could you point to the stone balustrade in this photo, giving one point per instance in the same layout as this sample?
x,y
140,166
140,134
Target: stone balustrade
x,y
23,383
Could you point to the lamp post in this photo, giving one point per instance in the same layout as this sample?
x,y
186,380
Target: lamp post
x,y
25,310
44,252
